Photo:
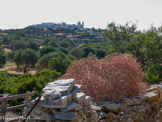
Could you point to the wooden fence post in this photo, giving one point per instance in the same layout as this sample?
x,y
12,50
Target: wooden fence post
x,y
3,108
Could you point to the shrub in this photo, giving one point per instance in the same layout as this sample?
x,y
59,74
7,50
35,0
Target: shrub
x,y
2,57
59,64
26,82
111,78
154,74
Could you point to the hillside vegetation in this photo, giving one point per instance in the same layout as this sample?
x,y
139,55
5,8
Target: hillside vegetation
x,y
49,53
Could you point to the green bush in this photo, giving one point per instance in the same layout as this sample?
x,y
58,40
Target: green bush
x,y
154,74
26,82
2,57
59,64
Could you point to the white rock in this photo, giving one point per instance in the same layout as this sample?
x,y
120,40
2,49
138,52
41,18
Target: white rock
x,y
51,95
60,102
63,86
87,100
80,97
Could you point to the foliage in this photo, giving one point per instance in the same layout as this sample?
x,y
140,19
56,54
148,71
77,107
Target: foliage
x,y
59,64
43,61
29,58
5,41
2,57
33,45
64,44
88,50
3,78
146,46
100,53
27,82
46,50
119,35
10,56
111,78
77,53
17,45
17,58
63,50
52,43
154,74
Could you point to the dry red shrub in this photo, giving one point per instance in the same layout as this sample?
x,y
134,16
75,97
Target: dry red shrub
x,y
111,78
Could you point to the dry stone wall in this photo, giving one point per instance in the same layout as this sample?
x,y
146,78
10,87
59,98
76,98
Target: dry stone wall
x,y
62,102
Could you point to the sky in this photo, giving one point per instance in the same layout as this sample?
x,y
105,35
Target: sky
x,y
95,13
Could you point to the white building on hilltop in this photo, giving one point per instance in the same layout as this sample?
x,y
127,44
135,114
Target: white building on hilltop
x,y
54,26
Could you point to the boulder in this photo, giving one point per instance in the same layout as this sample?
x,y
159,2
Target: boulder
x,y
110,107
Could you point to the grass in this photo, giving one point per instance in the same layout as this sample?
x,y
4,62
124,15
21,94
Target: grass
x,y
12,69
7,50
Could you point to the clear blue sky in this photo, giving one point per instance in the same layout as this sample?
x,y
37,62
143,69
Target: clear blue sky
x,y
94,13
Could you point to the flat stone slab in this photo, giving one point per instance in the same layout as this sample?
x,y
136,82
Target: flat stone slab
x,y
153,88
60,102
51,95
71,106
152,96
63,87
65,116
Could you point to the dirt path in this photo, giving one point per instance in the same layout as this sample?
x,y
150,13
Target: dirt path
x,y
12,69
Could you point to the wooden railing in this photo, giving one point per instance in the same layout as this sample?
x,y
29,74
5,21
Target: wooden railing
x,y
4,101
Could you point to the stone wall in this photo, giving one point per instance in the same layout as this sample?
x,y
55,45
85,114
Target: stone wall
x,y
61,102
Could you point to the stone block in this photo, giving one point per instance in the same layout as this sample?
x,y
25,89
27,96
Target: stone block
x,y
110,107
80,97
153,88
71,106
96,108
80,117
141,109
160,94
63,86
136,101
51,95
122,107
110,117
60,102
127,101
47,117
66,116
152,96
87,100
56,103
